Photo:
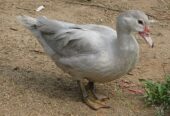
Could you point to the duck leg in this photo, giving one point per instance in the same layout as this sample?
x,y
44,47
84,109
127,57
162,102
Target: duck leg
x,y
92,88
89,98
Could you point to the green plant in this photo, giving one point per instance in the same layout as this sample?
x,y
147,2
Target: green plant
x,y
158,94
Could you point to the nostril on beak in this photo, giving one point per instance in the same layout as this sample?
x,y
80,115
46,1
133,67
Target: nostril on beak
x,y
146,29
153,45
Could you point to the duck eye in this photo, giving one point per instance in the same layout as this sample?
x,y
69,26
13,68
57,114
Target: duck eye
x,y
140,22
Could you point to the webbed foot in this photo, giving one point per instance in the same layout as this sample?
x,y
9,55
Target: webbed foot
x,y
90,98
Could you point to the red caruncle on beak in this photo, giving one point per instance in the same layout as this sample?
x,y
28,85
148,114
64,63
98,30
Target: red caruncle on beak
x,y
145,34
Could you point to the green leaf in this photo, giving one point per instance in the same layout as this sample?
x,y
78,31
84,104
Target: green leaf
x,y
157,93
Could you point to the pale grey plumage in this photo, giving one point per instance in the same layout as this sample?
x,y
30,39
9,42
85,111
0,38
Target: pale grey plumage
x,y
90,51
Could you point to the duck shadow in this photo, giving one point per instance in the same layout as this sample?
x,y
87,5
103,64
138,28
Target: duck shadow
x,y
45,83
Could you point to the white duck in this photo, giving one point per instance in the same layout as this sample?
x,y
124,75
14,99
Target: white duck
x,y
93,52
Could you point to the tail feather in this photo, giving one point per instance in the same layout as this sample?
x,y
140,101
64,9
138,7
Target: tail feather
x,y
27,21
32,24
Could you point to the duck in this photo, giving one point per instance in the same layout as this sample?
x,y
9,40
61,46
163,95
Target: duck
x,y
92,52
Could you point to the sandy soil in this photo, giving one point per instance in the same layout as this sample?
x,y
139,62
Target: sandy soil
x,y
31,84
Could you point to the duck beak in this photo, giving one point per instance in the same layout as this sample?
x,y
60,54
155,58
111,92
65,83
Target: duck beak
x,y
145,34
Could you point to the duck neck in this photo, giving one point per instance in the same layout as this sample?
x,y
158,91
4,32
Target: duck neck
x,y
123,36
125,39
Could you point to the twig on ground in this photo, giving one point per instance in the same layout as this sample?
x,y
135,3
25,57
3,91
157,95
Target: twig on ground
x,y
107,8
37,51
22,8
96,5
150,15
163,67
14,29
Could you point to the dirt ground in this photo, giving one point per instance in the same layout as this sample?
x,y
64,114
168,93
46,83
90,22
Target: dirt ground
x,y
31,84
